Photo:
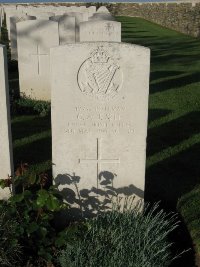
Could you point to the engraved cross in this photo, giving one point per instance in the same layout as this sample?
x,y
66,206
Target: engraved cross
x,y
99,160
38,55
108,27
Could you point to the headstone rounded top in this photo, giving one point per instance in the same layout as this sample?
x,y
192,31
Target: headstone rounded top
x,y
103,9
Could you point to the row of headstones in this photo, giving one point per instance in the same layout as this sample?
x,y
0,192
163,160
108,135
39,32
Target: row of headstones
x,y
99,121
31,41
82,14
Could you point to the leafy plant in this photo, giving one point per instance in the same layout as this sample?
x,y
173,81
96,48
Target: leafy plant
x,y
34,206
129,238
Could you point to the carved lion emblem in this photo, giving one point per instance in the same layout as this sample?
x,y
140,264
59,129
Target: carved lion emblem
x,y
100,76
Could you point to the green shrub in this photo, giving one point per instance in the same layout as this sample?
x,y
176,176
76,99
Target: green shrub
x,y
129,238
10,250
34,206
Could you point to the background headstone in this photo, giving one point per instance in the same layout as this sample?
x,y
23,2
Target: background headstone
x,y
100,30
34,39
66,28
13,33
79,17
6,157
12,14
102,14
99,144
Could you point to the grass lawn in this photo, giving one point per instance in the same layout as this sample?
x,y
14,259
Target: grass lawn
x,y
173,144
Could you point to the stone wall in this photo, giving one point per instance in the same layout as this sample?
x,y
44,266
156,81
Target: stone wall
x,y
183,17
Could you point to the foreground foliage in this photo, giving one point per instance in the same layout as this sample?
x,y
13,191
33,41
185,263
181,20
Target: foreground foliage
x,y
33,207
129,238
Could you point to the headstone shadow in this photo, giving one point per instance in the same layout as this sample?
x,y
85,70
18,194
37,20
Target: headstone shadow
x,y
87,202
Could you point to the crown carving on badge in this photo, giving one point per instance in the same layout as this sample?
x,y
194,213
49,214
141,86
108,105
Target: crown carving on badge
x,y
99,56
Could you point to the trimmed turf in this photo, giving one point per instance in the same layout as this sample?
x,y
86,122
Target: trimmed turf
x,y
189,207
173,145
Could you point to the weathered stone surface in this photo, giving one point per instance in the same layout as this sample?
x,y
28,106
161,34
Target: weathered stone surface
x,y
9,15
34,39
6,158
13,33
79,17
102,16
103,9
66,28
99,121
100,30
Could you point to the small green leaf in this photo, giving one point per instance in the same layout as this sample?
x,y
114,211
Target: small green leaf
x,y
43,231
52,203
33,227
17,198
42,198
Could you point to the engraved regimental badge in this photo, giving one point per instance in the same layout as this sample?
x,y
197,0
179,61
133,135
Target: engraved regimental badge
x,y
100,76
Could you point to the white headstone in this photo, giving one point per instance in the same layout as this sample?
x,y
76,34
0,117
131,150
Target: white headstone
x,y
6,157
66,28
11,14
13,33
103,9
34,39
100,30
99,120
102,14
79,17
91,10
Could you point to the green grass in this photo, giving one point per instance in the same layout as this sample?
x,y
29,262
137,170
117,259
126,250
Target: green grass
x,y
189,207
173,144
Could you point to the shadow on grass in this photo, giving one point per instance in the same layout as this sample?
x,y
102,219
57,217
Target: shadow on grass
x,y
155,75
173,132
155,114
33,153
24,127
175,83
169,179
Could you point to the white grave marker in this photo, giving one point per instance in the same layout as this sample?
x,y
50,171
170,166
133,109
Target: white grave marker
x,y
99,120
13,33
79,17
34,39
100,30
6,157
66,28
